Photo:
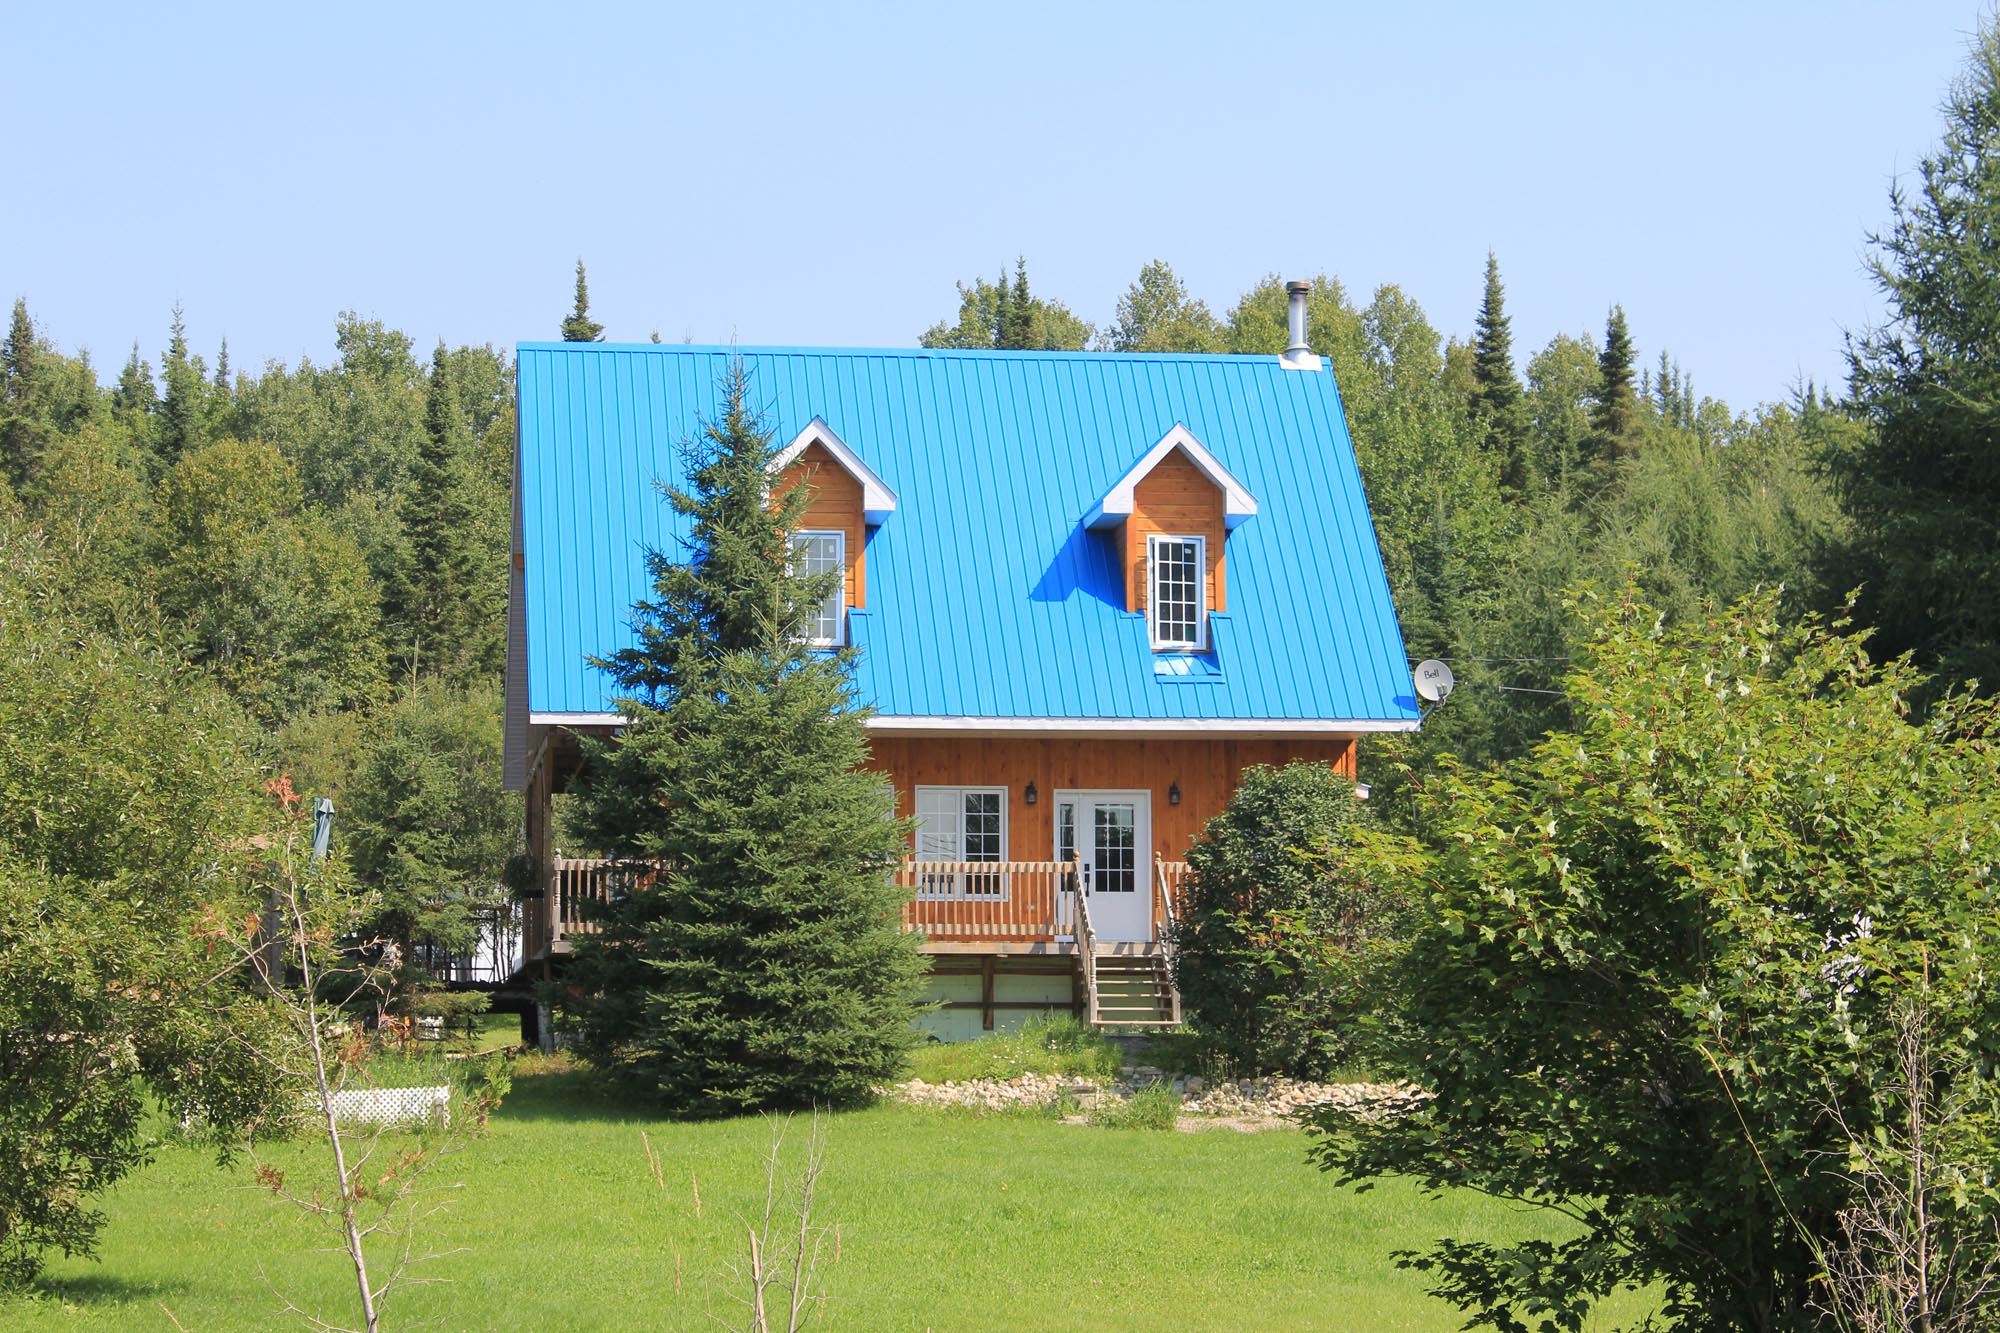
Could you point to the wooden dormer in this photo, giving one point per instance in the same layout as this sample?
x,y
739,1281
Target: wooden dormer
x,y
1178,489
846,496
834,506
1175,498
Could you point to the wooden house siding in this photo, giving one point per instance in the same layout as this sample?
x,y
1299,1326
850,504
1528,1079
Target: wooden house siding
x,y
1176,497
835,506
1207,771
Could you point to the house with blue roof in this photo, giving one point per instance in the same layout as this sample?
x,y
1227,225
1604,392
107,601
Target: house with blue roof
x,y
1085,592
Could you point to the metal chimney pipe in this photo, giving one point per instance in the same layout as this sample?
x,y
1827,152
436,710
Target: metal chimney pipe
x,y
1297,290
1298,356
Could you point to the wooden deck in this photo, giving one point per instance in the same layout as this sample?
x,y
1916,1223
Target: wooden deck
x,y
978,918
999,908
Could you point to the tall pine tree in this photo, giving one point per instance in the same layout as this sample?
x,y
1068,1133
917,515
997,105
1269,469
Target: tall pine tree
x,y
1614,413
135,397
23,433
1923,487
434,575
183,405
1496,394
1003,310
762,965
579,327
1019,333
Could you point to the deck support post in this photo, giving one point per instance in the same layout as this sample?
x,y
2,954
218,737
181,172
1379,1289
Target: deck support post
x,y
986,994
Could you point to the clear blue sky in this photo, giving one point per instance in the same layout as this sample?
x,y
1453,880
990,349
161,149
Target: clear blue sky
x,y
786,174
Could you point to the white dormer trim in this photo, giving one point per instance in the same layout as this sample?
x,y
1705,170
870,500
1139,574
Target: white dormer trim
x,y
877,500
1116,506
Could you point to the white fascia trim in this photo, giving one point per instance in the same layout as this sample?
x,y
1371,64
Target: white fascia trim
x,y
1140,726
579,720
877,500
1116,506
1055,726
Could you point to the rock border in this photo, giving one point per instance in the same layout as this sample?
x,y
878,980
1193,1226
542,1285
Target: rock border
x,y
1248,1103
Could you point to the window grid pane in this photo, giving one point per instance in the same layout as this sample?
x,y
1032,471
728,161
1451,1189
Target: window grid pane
x,y
820,553
1177,591
960,824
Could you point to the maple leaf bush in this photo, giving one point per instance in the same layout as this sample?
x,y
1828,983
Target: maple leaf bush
x,y
124,801
1659,948
1284,947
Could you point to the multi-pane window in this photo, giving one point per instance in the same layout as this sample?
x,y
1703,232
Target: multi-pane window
x,y
962,824
823,553
1174,607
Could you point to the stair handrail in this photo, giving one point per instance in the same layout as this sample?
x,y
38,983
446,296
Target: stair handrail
x,y
1167,937
1086,940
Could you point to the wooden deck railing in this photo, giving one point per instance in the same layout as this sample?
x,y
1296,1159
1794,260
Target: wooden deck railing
x,y
574,886
989,900
961,901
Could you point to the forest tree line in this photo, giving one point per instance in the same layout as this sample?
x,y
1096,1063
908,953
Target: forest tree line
x,y
330,543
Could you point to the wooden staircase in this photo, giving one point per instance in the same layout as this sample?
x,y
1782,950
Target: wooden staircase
x,y
1134,990
1123,986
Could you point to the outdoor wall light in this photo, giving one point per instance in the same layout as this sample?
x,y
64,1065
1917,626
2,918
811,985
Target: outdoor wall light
x,y
1031,794
1174,794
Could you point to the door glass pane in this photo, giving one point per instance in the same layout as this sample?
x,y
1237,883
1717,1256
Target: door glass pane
x,y
1115,866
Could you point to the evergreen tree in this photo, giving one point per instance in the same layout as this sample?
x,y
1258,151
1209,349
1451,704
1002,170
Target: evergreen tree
x,y
136,395
222,382
579,327
1020,311
1923,490
1497,393
429,823
761,963
1003,311
183,404
985,308
23,433
428,594
1615,411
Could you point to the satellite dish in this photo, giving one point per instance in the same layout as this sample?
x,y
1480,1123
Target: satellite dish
x,y
1434,681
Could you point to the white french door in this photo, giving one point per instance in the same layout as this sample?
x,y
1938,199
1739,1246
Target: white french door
x,y
1111,835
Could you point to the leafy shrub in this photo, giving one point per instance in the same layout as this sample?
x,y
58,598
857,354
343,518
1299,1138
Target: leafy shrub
x,y
1282,953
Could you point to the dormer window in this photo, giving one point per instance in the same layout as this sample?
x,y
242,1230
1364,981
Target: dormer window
x,y
817,553
1176,607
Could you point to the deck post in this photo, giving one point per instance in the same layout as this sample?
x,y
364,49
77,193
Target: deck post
x,y
986,993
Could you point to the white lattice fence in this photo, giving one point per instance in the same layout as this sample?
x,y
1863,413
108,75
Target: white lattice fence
x,y
392,1106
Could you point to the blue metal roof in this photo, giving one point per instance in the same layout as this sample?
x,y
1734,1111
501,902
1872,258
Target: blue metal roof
x,y
987,596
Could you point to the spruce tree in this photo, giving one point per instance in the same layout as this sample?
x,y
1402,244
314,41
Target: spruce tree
x,y
1021,312
579,327
1003,310
179,428
1496,395
23,433
761,964
428,597
135,396
1922,487
1614,412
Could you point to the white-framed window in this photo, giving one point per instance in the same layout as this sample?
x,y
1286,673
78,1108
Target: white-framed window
x,y
824,553
1176,595
962,824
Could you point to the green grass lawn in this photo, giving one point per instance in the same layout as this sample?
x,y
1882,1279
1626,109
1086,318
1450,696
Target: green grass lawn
x,y
947,1221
